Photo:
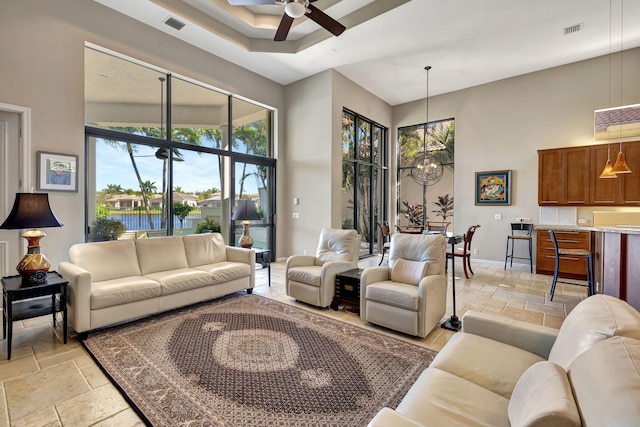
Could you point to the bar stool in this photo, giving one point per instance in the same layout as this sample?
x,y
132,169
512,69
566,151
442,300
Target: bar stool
x,y
561,252
525,229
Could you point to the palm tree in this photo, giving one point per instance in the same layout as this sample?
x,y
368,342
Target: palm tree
x,y
114,189
254,137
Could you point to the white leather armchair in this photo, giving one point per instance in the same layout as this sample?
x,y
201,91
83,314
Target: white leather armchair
x,y
410,294
311,279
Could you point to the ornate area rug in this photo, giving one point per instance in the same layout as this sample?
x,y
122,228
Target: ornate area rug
x,y
246,360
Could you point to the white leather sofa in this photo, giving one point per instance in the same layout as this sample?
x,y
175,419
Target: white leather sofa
x,y
115,281
497,372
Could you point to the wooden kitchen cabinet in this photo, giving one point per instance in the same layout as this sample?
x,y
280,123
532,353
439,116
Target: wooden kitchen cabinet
x,y
570,267
571,176
563,176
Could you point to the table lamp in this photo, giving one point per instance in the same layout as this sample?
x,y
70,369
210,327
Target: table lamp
x,y
32,210
245,211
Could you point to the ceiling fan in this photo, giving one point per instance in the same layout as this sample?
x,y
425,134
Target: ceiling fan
x,y
295,9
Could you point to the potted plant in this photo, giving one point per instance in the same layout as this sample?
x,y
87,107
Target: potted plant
x,y
445,207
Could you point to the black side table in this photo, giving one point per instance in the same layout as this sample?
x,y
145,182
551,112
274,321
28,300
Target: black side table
x,y
263,256
348,290
26,300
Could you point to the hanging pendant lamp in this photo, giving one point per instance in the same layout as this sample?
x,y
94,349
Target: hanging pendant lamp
x,y
621,165
606,173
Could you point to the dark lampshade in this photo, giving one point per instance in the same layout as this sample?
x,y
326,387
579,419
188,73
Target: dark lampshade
x,y
32,210
245,211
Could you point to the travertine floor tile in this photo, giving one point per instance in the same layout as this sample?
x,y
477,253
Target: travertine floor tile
x,y
44,417
126,418
17,367
31,393
97,405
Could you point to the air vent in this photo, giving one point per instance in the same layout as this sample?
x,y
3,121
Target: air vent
x,y
572,29
174,23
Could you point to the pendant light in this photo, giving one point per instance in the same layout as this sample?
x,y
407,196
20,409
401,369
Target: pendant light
x,y
621,165
606,173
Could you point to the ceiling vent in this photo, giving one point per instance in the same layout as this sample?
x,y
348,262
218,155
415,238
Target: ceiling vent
x,y
572,29
174,23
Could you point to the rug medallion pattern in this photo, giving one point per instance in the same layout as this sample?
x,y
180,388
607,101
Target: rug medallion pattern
x,y
246,360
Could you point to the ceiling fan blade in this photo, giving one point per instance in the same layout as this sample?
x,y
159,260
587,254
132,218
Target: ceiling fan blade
x,y
283,28
325,21
250,2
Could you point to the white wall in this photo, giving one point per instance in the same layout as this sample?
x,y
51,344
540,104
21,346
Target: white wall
x,y
43,68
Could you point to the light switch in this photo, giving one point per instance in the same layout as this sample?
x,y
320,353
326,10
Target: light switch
x,y
296,201
497,216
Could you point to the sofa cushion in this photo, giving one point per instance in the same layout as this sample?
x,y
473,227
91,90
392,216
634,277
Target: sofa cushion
x,y
180,279
123,290
309,275
395,294
439,398
406,271
203,249
490,364
606,382
106,260
542,397
222,272
160,254
594,319
337,245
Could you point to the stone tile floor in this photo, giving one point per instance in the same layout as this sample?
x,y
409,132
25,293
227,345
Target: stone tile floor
x,y
50,384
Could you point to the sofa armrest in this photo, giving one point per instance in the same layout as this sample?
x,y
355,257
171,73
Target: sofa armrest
x,y
532,338
246,256
78,295
387,417
371,275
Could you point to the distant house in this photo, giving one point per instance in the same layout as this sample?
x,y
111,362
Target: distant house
x,y
215,201
125,201
182,198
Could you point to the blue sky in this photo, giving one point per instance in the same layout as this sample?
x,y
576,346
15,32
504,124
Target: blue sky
x,y
198,172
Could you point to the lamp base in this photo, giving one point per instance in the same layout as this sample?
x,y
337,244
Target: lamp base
x,y
246,241
34,265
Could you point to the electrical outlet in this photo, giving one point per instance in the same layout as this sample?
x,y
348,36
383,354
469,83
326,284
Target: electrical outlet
x,y
475,252
582,221
295,215
497,216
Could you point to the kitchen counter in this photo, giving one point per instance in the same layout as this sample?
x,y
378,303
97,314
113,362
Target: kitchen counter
x,y
623,229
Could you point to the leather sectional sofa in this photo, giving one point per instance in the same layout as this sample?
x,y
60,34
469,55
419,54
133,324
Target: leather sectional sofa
x,y
497,372
116,281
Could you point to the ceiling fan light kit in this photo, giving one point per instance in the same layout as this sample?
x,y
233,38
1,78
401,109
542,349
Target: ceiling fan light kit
x,y
296,8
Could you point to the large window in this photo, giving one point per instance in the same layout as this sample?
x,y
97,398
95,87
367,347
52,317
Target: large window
x,y
364,178
160,150
425,174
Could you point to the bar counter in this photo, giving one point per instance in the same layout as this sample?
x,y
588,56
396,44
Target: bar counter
x,y
616,258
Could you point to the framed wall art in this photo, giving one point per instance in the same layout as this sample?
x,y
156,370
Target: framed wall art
x,y
57,172
493,188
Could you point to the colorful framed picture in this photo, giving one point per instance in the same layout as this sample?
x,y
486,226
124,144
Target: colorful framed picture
x,y
493,188
57,172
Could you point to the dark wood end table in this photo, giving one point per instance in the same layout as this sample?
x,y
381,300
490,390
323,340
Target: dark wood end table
x,y
26,300
348,290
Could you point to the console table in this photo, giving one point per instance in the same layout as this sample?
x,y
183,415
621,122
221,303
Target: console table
x,y
263,257
26,300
